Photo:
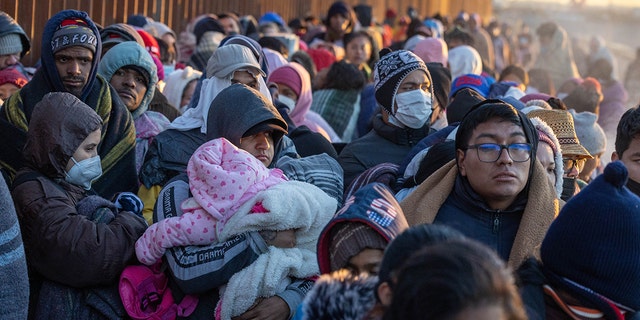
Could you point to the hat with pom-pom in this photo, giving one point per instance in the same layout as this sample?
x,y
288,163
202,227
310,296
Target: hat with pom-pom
x,y
592,249
389,73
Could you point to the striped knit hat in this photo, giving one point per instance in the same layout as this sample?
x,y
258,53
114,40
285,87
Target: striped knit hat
x,y
389,73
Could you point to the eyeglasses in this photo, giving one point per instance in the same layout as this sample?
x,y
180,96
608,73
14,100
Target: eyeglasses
x,y
569,164
490,152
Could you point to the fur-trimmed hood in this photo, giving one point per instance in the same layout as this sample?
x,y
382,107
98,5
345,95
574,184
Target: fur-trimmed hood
x,y
340,296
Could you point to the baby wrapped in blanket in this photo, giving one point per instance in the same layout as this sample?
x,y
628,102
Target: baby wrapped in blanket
x,y
232,193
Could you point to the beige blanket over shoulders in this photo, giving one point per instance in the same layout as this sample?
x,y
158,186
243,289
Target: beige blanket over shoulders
x,y
423,204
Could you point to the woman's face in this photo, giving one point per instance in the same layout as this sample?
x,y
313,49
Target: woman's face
x,y
544,154
188,93
339,23
87,149
358,50
285,90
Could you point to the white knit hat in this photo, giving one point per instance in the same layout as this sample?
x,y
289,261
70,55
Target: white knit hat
x,y
176,82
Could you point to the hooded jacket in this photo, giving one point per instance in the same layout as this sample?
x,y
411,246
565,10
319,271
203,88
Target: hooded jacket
x,y
237,109
118,133
148,123
557,58
373,205
302,115
130,53
8,26
340,296
61,244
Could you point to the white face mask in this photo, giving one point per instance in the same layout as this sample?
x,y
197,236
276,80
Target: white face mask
x,y
414,108
288,102
84,172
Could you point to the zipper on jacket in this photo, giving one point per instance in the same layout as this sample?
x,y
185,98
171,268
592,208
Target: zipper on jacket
x,y
496,223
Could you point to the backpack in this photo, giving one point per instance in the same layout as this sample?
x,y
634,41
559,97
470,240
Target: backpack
x,y
145,294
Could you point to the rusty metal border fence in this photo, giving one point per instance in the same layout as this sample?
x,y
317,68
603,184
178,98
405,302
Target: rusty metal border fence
x,y
33,14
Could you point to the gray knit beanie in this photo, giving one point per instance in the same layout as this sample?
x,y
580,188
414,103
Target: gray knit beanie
x,y
589,132
10,44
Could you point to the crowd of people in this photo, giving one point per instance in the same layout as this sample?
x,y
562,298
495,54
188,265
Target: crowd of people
x,y
328,167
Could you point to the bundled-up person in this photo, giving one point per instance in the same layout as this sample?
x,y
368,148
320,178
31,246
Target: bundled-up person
x,y
627,146
556,55
76,242
233,192
399,252
71,66
361,51
14,44
549,154
180,87
337,99
592,138
294,86
574,154
208,32
614,99
170,151
434,52
464,60
118,33
257,129
354,240
404,90
602,223
11,80
494,191
341,19
456,279
14,285
130,70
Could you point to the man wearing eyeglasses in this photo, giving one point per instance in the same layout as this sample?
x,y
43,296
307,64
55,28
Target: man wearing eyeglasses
x,y
495,191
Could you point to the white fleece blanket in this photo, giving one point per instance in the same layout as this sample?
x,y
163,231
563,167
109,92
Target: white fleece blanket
x,y
289,205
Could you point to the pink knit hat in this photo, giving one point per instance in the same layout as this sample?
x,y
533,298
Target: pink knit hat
x,y
222,177
432,50
288,76
13,76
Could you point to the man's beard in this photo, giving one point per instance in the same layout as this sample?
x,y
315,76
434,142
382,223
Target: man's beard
x,y
76,91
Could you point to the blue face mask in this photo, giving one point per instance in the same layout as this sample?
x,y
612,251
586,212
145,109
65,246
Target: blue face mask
x,y
288,102
84,172
168,69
